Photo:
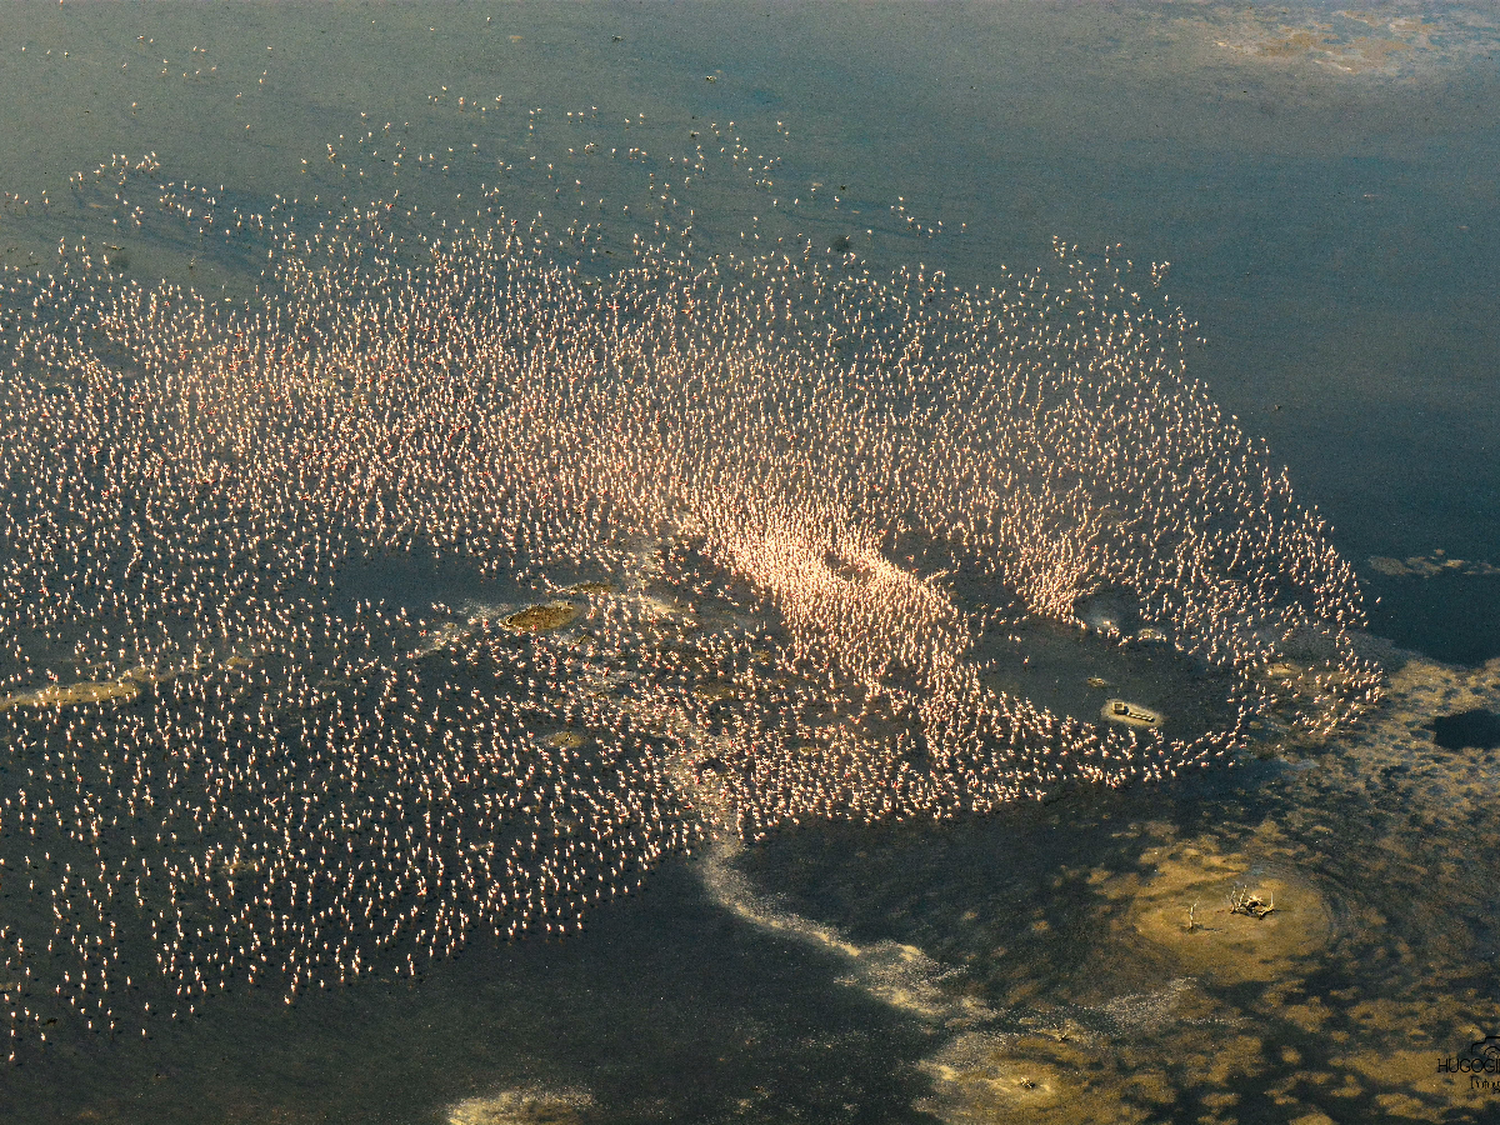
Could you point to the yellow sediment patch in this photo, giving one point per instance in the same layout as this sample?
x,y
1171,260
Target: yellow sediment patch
x,y
984,1077
522,1107
67,695
543,618
1221,917
1425,566
715,690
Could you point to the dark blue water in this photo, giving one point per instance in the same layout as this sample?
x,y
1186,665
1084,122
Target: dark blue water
x,y
1324,189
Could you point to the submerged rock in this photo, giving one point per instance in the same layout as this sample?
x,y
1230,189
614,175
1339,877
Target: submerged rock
x,y
543,618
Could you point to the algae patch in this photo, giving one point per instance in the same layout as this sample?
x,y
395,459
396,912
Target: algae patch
x,y
522,1107
67,695
543,618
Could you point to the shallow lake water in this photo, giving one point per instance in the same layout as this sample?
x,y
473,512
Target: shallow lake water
x,y
1309,935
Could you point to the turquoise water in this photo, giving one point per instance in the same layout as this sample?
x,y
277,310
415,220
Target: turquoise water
x,y
1323,187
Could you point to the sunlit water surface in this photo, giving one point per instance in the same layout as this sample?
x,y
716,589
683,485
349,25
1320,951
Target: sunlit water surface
x,y
1310,937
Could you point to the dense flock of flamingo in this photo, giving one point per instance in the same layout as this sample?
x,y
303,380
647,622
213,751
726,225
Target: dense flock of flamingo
x,y
275,710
